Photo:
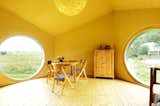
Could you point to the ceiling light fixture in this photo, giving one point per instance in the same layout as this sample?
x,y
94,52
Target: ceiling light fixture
x,y
70,7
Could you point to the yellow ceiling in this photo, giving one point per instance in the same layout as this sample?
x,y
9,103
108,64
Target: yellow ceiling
x,y
45,15
134,4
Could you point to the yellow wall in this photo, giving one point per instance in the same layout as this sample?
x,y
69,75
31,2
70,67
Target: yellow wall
x,y
117,28
127,24
11,25
82,42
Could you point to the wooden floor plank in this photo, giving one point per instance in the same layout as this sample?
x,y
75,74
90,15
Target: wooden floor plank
x,y
91,92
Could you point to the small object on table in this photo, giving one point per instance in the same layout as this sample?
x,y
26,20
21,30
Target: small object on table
x,y
60,58
107,47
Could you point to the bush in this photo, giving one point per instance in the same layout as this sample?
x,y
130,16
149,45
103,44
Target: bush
x,y
143,50
3,52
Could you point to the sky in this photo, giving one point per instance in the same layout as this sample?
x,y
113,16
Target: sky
x,y
20,43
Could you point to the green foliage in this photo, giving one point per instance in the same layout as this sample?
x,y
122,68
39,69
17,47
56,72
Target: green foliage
x,y
3,52
20,65
141,68
143,50
137,48
139,56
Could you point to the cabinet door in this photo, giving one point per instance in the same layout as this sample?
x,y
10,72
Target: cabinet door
x,y
100,63
109,63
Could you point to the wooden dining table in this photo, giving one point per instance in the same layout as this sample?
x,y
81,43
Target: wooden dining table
x,y
72,64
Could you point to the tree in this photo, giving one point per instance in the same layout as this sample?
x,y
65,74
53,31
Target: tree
x,y
135,48
143,50
3,52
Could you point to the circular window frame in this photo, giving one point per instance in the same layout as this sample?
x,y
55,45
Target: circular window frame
x,y
127,44
42,61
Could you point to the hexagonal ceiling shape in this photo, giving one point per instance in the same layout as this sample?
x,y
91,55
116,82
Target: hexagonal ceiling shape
x,y
45,15
70,7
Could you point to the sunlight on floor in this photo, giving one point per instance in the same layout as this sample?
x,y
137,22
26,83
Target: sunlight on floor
x,y
91,92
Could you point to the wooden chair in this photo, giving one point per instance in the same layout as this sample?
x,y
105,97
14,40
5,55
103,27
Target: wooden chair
x,y
82,69
60,76
154,98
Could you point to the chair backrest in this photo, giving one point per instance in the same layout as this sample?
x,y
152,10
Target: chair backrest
x,y
82,70
52,68
153,80
57,71
84,63
49,65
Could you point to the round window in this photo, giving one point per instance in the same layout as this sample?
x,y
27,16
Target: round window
x,y
142,53
20,57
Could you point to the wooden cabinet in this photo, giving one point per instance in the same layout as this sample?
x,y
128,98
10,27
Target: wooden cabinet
x,y
104,63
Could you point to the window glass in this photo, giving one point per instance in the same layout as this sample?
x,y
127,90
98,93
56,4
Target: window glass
x,y
142,53
20,57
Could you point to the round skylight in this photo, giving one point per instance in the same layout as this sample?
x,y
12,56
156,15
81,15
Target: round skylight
x,y
70,7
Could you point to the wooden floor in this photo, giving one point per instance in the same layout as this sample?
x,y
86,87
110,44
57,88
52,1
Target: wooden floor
x,y
91,92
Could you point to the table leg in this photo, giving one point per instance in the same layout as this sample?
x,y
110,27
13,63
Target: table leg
x,y
73,71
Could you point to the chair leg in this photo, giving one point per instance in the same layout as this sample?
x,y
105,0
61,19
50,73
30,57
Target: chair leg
x,y
53,85
69,82
84,72
47,80
57,82
79,75
63,87
49,76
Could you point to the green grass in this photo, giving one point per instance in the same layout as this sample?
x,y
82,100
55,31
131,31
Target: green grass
x,y
142,69
20,65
